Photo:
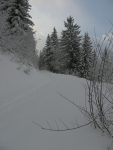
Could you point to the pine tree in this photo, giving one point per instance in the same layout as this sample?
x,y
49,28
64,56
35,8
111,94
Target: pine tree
x,y
49,54
3,24
54,48
87,56
3,5
19,18
42,57
16,34
46,57
70,47
54,39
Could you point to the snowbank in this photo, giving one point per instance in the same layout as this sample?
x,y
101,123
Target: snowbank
x,y
34,97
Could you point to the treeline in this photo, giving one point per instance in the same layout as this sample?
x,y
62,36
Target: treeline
x,y
70,54
16,32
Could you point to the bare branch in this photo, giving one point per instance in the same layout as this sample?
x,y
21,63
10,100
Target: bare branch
x,y
61,130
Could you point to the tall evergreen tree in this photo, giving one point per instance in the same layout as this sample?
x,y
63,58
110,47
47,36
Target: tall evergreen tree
x,y
3,4
54,48
16,33
46,57
54,39
49,54
42,58
19,18
87,56
70,47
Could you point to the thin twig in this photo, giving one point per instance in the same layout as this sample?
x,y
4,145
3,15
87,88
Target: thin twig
x,y
62,130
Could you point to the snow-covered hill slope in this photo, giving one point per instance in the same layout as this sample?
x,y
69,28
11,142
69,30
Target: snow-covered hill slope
x,y
25,99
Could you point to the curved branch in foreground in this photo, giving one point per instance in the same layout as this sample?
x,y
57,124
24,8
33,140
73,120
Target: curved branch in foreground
x,y
61,130
66,128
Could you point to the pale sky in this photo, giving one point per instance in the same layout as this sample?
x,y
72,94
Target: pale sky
x,y
89,14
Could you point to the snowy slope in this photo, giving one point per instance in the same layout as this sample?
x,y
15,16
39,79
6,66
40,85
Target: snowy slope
x,y
25,99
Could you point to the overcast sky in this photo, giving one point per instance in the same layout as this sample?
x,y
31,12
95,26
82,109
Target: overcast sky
x,y
89,14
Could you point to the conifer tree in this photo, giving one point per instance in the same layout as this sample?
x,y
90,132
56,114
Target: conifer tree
x,y
19,19
46,57
42,58
87,56
54,48
3,5
70,47
54,39
49,54
16,31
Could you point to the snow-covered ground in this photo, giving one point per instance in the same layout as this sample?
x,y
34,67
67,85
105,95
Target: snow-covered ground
x,y
25,99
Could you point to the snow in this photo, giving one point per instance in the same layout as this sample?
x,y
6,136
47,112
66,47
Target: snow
x,y
25,99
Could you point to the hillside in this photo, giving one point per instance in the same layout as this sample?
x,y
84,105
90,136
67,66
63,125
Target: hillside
x,y
25,99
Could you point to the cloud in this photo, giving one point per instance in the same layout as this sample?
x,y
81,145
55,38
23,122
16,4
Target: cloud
x,y
55,2
49,13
